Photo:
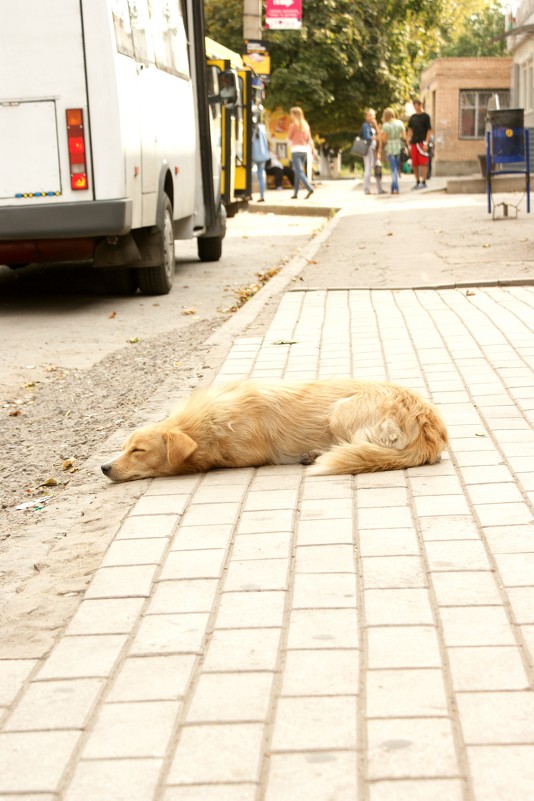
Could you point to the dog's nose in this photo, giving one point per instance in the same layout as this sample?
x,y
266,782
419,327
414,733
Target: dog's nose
x,y
106,468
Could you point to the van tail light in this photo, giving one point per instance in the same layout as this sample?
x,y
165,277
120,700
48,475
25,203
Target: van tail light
x,y
76,142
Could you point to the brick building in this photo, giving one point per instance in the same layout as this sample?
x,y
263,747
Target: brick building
x,y
456,92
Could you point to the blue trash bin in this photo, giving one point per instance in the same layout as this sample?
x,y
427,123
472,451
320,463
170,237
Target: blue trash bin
x,y
507,134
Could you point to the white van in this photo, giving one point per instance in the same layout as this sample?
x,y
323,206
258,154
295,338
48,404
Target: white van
x,y
107,151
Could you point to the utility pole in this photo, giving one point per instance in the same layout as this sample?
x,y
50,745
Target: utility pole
x,y
252,28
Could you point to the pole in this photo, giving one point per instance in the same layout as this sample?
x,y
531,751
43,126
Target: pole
x,y
252,28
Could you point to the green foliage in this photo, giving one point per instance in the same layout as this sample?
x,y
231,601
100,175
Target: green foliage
x,y
480,36
351,54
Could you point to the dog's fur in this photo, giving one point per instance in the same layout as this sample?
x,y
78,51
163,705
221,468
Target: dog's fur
x,y
355,426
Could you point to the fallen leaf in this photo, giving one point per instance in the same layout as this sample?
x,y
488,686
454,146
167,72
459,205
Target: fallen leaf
x,y
486,245
134,340
50,482
15,413
192,310
477,434
112,315
311,261
285,342
470,292
67,464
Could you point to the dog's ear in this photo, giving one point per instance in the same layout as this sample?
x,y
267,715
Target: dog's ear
x,y
179,446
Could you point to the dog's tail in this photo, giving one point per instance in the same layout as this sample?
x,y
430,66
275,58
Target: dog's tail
x,y
360,456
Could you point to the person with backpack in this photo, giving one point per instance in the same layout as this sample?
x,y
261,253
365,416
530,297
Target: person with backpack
x,y
260,155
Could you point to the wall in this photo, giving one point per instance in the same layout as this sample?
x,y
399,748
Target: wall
x,y
441,83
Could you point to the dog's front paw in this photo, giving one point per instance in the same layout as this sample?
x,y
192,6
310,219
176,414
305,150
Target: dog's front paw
x,y
309,457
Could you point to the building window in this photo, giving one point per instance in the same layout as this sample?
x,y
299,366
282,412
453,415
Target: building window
x,y
473,110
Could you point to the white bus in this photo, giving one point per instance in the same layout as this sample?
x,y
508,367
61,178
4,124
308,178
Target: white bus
x,y
107,151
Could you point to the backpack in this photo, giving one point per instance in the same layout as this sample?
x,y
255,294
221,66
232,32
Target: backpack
x,y
260,146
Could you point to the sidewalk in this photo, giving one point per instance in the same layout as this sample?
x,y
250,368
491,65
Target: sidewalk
x,y
261,635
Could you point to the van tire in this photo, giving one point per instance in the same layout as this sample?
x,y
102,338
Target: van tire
x,y
209,248
158,280
120,282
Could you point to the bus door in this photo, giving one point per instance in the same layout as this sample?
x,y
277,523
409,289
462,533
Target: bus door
x,y
243,167
228,139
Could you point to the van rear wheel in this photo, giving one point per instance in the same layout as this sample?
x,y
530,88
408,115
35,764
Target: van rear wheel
x,y
209,248
158,280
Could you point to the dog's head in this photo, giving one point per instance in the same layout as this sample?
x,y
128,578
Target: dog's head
x,y
151,452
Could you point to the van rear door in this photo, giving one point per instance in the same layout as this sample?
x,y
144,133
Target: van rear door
x,y
42,74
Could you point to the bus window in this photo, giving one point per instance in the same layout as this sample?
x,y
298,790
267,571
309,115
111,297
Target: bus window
x,y
214,98
168,36
139,22
123,29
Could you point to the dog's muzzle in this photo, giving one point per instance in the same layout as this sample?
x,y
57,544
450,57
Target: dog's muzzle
x,y
106,469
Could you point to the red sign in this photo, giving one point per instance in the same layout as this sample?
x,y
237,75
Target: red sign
x,y
283,14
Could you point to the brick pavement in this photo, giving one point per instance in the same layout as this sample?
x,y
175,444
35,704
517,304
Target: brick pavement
x,y
261,635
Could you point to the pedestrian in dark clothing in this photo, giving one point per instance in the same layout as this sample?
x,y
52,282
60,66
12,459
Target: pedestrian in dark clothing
x,y
418,137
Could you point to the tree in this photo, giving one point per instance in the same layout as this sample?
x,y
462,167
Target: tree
x,y
481,34
349,54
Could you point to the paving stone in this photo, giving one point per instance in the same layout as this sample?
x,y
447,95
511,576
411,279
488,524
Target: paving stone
x,y
107,616
497,717
392,572
325,559
13,674
475,625
193,564
249,609
403,647
336,508
212,792
314,776
385,607
265,521
148,526
322,590
225,697
220,493
411,748
467,588
201,514
170,634
391,542
385,517
218,753
502,773
448,527
242,649
196,538
48,705
481,668
132,729
323,628
48,754
122,582
319,532
417,790
257,574
114,780
155,678
135,552
522,603
510,539
309,723
271,499
495,514
516,570
262,546
457,555
405,693
183,595
335,672
83,657
160,505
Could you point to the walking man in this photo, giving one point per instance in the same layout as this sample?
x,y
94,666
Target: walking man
x,y
418,137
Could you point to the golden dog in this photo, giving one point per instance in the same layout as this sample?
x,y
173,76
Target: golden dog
x,y
337,426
